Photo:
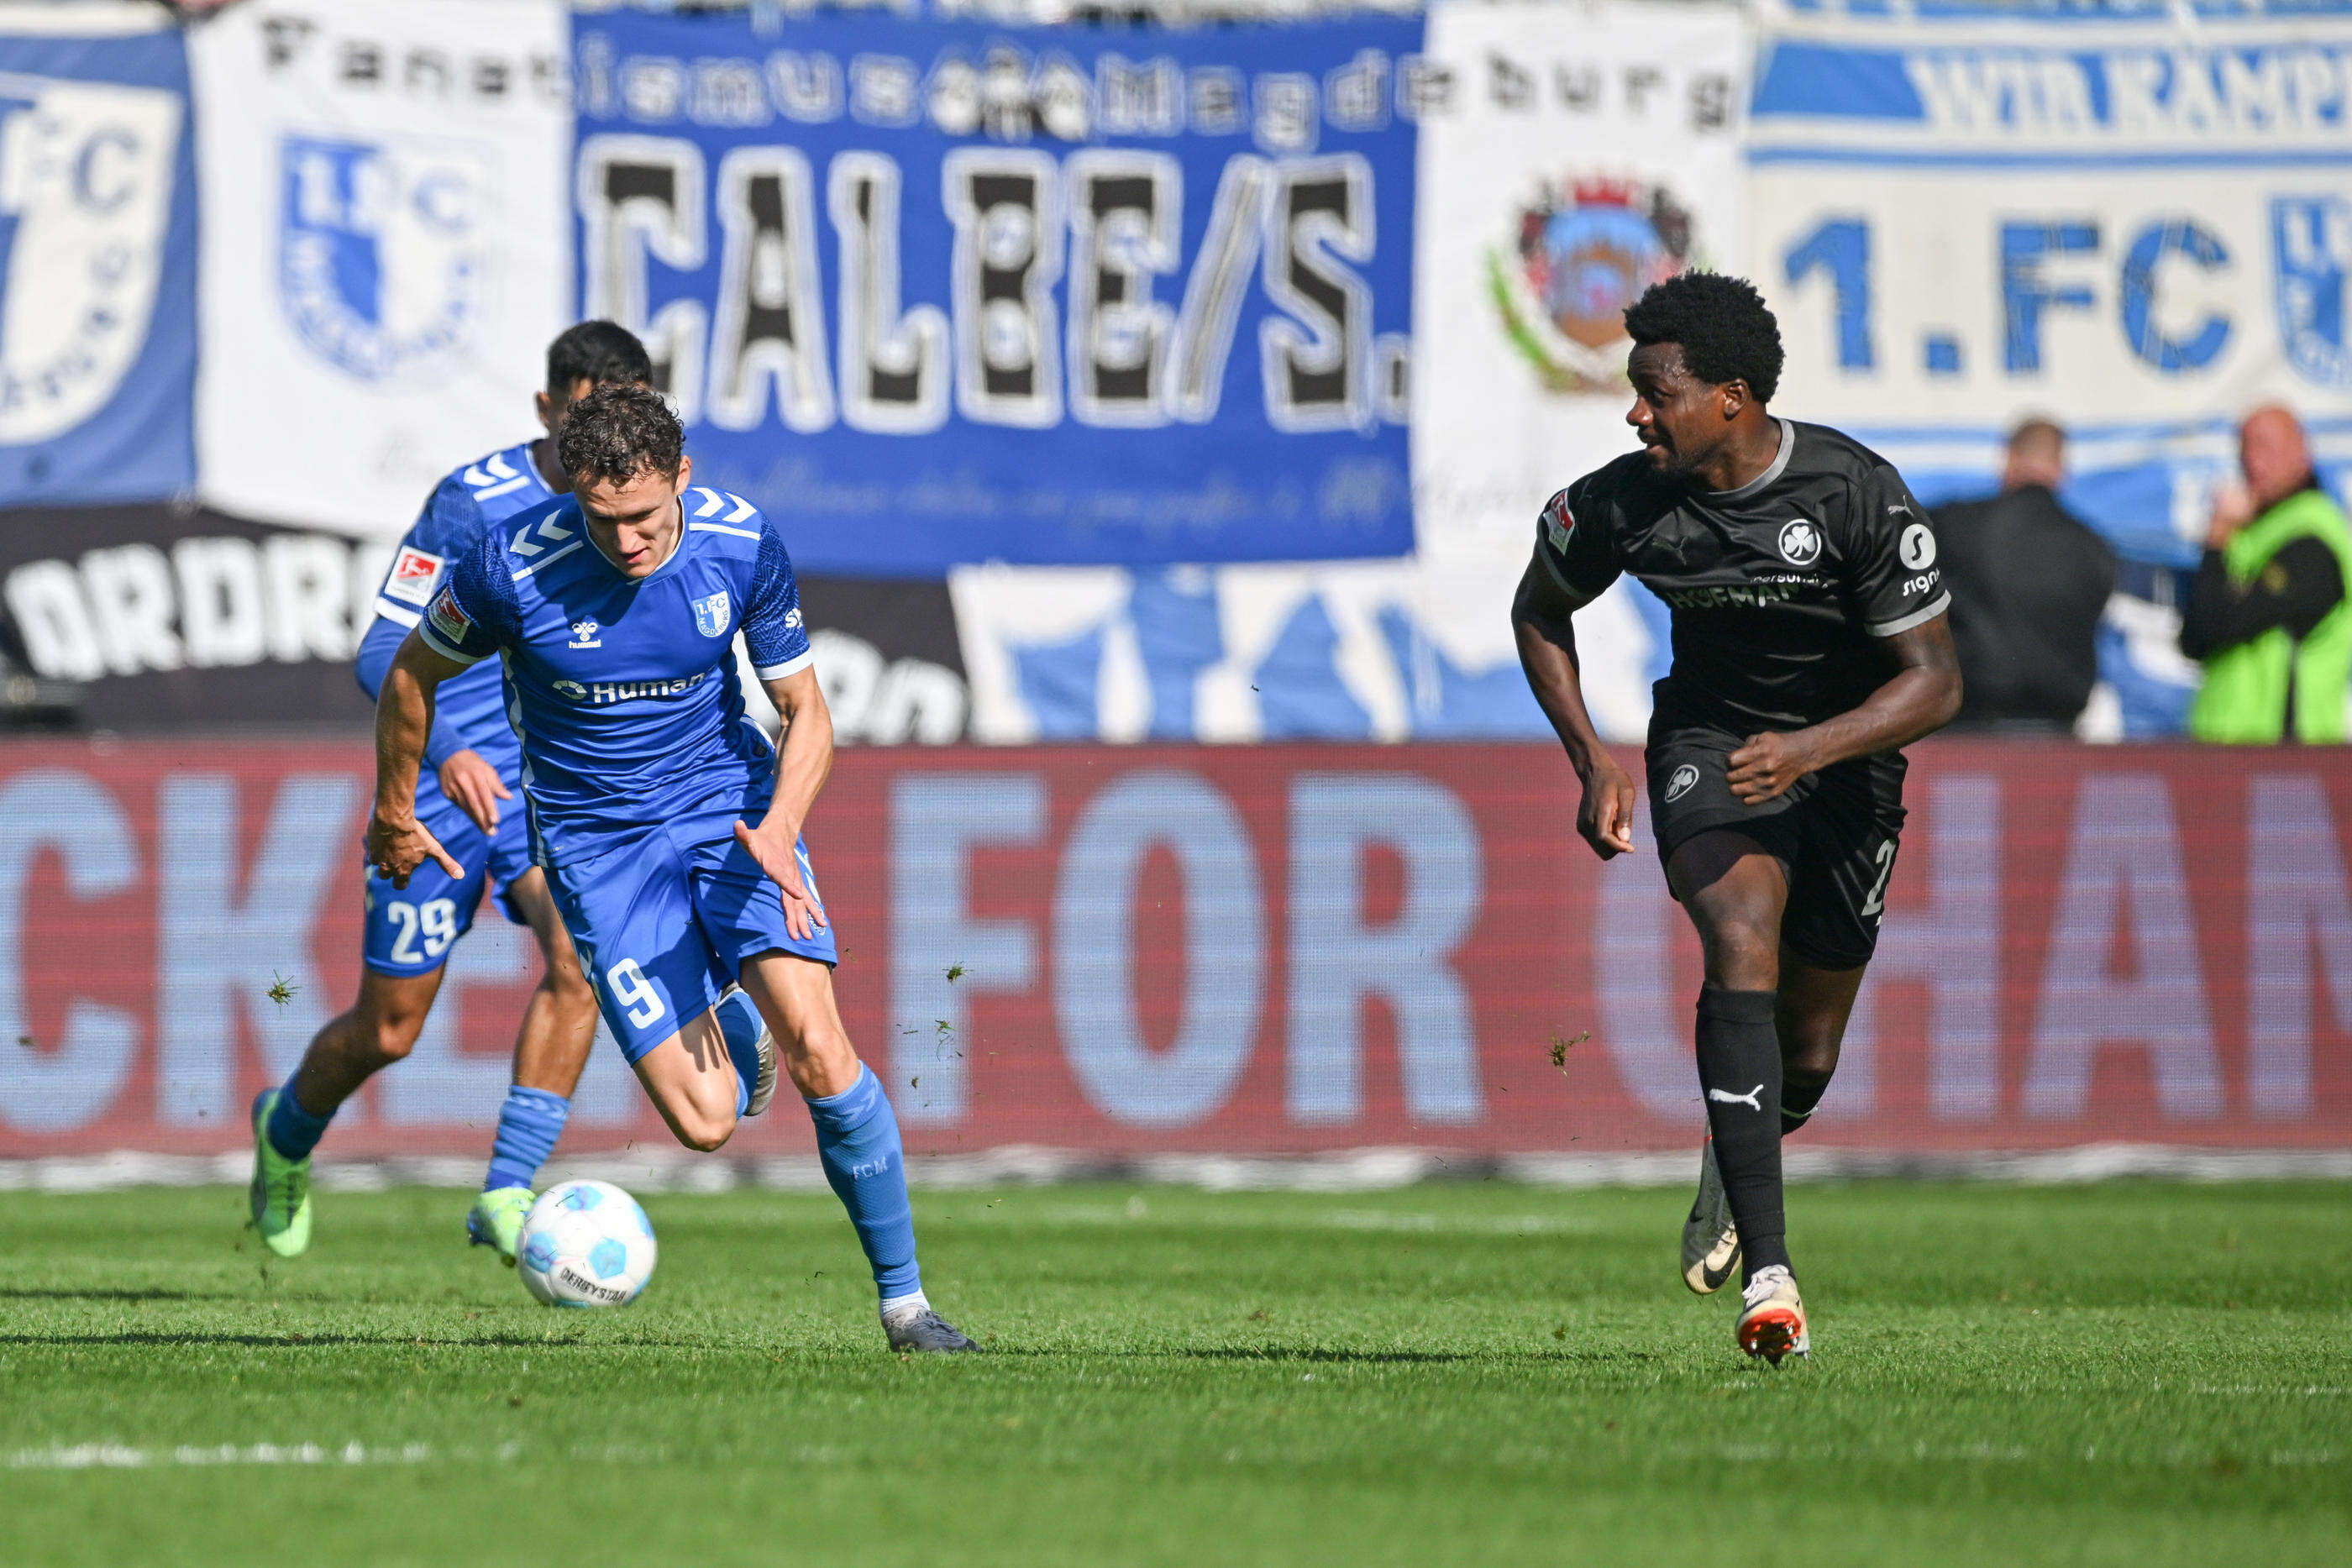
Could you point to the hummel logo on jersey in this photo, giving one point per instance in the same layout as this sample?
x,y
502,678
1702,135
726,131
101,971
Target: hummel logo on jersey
x,y
1684,778
583,634
1800,542
712,500
494,476
1753,1099
531,541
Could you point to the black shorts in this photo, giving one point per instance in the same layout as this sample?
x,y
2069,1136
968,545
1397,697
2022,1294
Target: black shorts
x,y
1834,833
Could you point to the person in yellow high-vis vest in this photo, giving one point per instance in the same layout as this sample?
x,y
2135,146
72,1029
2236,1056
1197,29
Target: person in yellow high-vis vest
x,y
2268,616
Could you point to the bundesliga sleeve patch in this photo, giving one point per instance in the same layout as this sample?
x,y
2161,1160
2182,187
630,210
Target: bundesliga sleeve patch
x,y
414,574
1558,522
449,623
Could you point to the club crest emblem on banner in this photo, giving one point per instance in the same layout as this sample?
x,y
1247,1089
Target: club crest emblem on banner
x,y
2311,256
1585,249
711,615
86,178
382,253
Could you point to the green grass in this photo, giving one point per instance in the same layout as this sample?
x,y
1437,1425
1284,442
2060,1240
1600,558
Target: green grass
x,y
2134,1374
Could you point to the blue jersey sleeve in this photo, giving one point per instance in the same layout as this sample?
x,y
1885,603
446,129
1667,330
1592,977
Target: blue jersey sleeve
x,y
477,611
374,662
773,630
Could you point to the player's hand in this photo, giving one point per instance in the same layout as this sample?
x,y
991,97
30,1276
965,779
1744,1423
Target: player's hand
x,y
397,847
1606,816
1766,765
475,785
775,850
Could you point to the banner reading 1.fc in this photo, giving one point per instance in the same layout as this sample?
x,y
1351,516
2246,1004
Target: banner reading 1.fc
x,y
2137,227
932,293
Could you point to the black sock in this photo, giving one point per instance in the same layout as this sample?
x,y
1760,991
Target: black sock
x,y
1800,1090
1739,1068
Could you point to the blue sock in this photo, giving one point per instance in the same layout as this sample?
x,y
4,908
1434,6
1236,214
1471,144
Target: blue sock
x,y
857,1139
529,1123
292,1131
739,1024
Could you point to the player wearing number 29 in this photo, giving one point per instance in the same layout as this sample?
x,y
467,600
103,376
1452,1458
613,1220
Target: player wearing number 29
x,y
667,825
410,932
1809,645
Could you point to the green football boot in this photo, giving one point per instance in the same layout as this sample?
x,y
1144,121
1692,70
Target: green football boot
x,y
497,1219
280,1190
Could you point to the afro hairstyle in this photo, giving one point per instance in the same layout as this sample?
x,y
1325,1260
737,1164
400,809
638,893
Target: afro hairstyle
x,y
1721,323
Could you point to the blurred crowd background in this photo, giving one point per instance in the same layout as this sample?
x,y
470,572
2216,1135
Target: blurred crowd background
x,y
1184,370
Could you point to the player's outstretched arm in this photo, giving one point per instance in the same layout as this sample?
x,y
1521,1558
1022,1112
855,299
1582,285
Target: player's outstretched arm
x,y
1541,616
804,760
1920,698
397,842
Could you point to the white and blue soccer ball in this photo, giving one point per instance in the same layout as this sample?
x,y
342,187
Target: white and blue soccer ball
x,y
585,1244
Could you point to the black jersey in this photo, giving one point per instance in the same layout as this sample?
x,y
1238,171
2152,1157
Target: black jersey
x,y
1776,588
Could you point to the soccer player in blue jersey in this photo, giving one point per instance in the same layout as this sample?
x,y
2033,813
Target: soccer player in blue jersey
x,y
668,826
475,763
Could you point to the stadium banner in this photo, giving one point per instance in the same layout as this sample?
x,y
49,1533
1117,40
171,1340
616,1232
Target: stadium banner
x,y
934,293
386,252
146,618
1575,155
2139,226
98,240
1413,650
1244,949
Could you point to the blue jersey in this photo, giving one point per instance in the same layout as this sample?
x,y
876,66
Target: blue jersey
x,y
624,690
469,713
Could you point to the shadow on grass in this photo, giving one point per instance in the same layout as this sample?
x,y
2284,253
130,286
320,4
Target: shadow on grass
x,y
29,1293
288,1342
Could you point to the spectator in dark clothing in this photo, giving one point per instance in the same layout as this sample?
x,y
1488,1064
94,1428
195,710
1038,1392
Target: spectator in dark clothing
x,y
2267,616
2029,581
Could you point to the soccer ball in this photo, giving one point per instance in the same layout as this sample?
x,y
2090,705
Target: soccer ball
x,y
585,1244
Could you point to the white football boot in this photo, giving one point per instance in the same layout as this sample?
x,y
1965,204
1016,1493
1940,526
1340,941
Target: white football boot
x,y
1772,1322
1710,1239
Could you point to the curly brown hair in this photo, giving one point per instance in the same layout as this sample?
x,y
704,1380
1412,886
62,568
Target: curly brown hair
x,y
618,432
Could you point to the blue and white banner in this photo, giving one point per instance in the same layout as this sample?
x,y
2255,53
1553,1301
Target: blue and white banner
x,y
97,225
936,294
2138,228
385,251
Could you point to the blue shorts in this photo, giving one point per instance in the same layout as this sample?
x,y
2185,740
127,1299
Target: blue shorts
x,y
664,918
410,930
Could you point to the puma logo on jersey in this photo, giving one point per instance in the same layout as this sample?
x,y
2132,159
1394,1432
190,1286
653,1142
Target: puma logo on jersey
x,y
1753,1099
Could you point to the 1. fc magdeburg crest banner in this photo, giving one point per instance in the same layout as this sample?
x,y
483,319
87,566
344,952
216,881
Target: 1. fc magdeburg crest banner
x,y
938,293
385,250
98,225
1575,155
2139,228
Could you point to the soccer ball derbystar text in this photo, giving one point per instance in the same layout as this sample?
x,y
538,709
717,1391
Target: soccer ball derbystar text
x,y
585,1244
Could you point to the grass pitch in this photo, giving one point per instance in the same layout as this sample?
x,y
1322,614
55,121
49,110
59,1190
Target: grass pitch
x,y
2132,1374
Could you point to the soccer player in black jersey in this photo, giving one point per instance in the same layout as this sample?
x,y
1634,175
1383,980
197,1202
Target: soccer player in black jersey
x,y
1810,646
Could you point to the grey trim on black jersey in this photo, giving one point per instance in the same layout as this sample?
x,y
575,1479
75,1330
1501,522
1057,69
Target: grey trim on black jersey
x,y
1577,598
1916,618
1780,466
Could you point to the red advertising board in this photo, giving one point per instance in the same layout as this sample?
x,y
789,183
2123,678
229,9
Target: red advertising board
x,y
1268,949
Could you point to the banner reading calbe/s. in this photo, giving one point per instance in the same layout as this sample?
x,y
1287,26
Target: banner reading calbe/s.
x,y
936,294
